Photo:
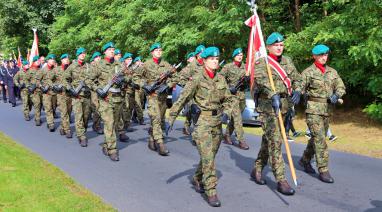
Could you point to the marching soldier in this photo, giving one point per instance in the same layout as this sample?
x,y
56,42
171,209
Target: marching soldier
x,y
233,73
147,74
139,97
21,80
63,98
191,57
117,55
323,86
35,76
209,91
96,57
49,97
74,80
107,72
270,103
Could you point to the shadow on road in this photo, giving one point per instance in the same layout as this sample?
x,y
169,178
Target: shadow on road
x,y
377,206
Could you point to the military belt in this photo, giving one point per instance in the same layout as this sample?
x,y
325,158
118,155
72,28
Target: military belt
x,y
316,99
115,90
209,112
114,94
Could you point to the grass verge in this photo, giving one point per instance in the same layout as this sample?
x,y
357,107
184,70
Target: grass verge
x,y
29,183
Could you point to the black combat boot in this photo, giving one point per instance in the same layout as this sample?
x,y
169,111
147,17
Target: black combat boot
x,y
186,131
83,142
123,137
68,134
62,131
162,150
198,186
214,201
243,145
284,188
51,128
227,139
307,167
325,177
257,177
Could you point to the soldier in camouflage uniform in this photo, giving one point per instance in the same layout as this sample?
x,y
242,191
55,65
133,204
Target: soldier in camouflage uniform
x,y
63,98
234,72
191,70
35,76
145,76
74,78
49,98
210,93
96,57
269,103
21,80
110,102
138,97
117,55
323,86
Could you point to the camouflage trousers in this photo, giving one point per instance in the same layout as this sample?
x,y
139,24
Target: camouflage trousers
x,y
207,135
95,110
127,108
236,121
271,146
138,99
81,108
111,115
65,107
26,101
37,103
318,126
156,110
49,101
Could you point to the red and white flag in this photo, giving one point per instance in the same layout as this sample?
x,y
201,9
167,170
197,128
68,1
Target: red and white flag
x,y
34,50
19,63
256,46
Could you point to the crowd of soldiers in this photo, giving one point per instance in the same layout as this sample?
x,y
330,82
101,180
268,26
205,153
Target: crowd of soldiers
x,y
112,86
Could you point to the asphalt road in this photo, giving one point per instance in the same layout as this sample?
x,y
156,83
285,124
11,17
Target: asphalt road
x,y
144,181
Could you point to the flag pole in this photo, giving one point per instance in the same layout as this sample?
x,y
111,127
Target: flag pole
x,y
280,118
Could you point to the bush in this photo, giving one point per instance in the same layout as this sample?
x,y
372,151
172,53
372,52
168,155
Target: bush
x,y
374,110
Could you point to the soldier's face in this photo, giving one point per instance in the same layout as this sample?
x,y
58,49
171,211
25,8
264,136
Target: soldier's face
x,y
117,57
109,53
82,56
65,61
37,63
97,59
191,59
322,58
128,61
26,66
211,63
276,48
157,53
51,62
239,58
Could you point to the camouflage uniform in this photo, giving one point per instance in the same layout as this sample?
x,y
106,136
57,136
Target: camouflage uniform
x,y
64,100
35,76
233,74
128,103
157,106
22,79
138,100
81,104
319,87
110,108
211,96
95,109
271,139
49,99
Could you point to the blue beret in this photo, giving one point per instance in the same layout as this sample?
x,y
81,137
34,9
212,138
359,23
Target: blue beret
x,y
127,55
50,56
107,45
274,38
117,51
80,51
137,59
237,51
211,51
199,49
192,54
95,54
320,49
35,58
63,56
25,62
155,46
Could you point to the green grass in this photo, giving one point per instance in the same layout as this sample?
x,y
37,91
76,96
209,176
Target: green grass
x,y
29,183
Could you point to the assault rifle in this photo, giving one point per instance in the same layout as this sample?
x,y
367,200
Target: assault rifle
x,y
149,89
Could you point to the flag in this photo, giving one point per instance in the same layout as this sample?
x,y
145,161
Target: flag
x,y
19,63
256,47
34,50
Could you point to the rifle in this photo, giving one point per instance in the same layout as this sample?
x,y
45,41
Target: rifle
x,y
158,83
113,80
195,113
239,84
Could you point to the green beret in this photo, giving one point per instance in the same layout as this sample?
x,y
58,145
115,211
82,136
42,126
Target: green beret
x,y
107,45
95,54
63,56
320,49
80,51
192,54
274,38
25,62
117,51
127,55
50,56
35,58
137,59
237,51
211,51
155,46
199,49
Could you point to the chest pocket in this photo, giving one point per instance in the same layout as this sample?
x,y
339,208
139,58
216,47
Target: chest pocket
x,y
316,82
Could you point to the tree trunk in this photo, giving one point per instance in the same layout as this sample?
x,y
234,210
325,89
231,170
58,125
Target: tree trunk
x,y
325,2
297,18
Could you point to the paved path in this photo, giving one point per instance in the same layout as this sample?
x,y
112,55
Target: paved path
x,y
144,181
